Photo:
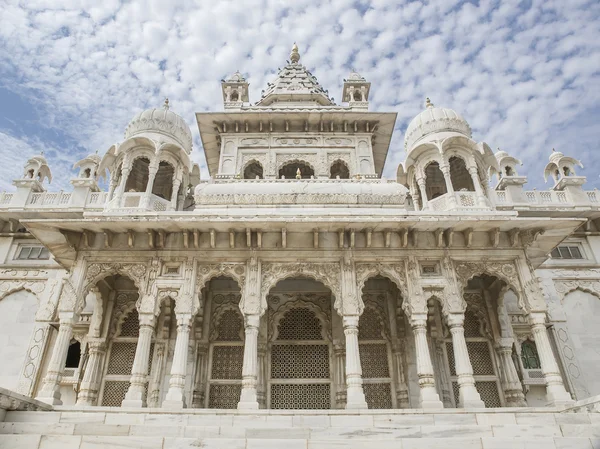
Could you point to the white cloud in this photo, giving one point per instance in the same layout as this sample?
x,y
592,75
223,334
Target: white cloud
x,y
526,76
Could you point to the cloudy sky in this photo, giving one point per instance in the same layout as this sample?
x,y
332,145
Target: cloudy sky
x,y
525,74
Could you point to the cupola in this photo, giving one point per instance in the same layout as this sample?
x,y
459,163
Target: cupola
x,y
235,91
433,121
356,91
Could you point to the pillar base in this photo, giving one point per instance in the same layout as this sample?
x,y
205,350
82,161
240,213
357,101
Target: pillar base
x,y
472,404
430,400
173,404
52,400
431,405
248,399
356,400
133,403
559,398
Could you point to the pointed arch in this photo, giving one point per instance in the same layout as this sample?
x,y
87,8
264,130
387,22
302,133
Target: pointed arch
x,y
299,304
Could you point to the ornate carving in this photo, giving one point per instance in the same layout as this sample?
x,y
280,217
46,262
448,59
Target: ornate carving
x,y
124,303
505,271
96,271
247,158
564,287
327,273
322,315
282,159
396,272
205,273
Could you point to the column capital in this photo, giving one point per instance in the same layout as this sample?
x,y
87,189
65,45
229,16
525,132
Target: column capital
x,y
537,318
418,320
67,318
147,319
97,345
455,320
252,320
350,321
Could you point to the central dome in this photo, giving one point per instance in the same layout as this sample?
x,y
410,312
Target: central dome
x,y
433,120
161,121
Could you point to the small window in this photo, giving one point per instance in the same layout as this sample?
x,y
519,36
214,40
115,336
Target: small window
x,y
33,252
529,355
566,252
73,355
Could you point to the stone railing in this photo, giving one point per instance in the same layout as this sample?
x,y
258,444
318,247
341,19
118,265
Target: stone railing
x,y
587,405
547,199
11,401
462,200
49,199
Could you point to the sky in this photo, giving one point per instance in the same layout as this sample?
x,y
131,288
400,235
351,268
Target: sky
x,y
524,74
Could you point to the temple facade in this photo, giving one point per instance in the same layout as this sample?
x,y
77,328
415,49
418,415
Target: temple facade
x,y
296,276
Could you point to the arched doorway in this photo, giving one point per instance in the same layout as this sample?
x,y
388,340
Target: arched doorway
x,y
225,344
380,337
460,176
339,169
253,171
290,170
435,184
300,360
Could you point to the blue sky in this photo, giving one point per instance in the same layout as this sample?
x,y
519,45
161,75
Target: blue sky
x,y
525,74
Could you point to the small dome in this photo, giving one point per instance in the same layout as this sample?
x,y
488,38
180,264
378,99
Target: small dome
x,y
161,121
555,156
237,77
432,120
501,155
355,76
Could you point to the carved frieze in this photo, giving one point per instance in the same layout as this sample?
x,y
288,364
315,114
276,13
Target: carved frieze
x,y
327,273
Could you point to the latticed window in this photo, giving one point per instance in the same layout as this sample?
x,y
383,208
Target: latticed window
x,y
300,372
529,355
121,355
374,360
227,357
299,324
482,362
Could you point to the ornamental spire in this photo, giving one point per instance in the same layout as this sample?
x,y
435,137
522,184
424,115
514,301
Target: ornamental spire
x,y
428,103
166,104
294,55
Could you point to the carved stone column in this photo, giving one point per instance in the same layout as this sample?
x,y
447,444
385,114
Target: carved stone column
x,y
152,171
355,396
555,389
423,189
477,184
50,392
402,396
429,397
449,187
136,393
248,398
175,398
513,390
339,353
175,192
468,394
261,393
121,187
200,387
153,399
88,391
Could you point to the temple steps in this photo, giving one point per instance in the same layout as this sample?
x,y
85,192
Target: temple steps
x,y
103,427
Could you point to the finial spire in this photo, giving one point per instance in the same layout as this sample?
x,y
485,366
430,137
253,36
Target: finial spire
x,y
294,55
428,103
166,105
298,173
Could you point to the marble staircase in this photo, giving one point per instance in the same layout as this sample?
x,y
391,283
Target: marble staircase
x,y
104,427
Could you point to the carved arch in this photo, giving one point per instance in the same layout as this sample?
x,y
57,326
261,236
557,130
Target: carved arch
x,y
326,273
394,272
565,287
218,315
505,271
285,162
299,304
9,287
381,317
236,271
